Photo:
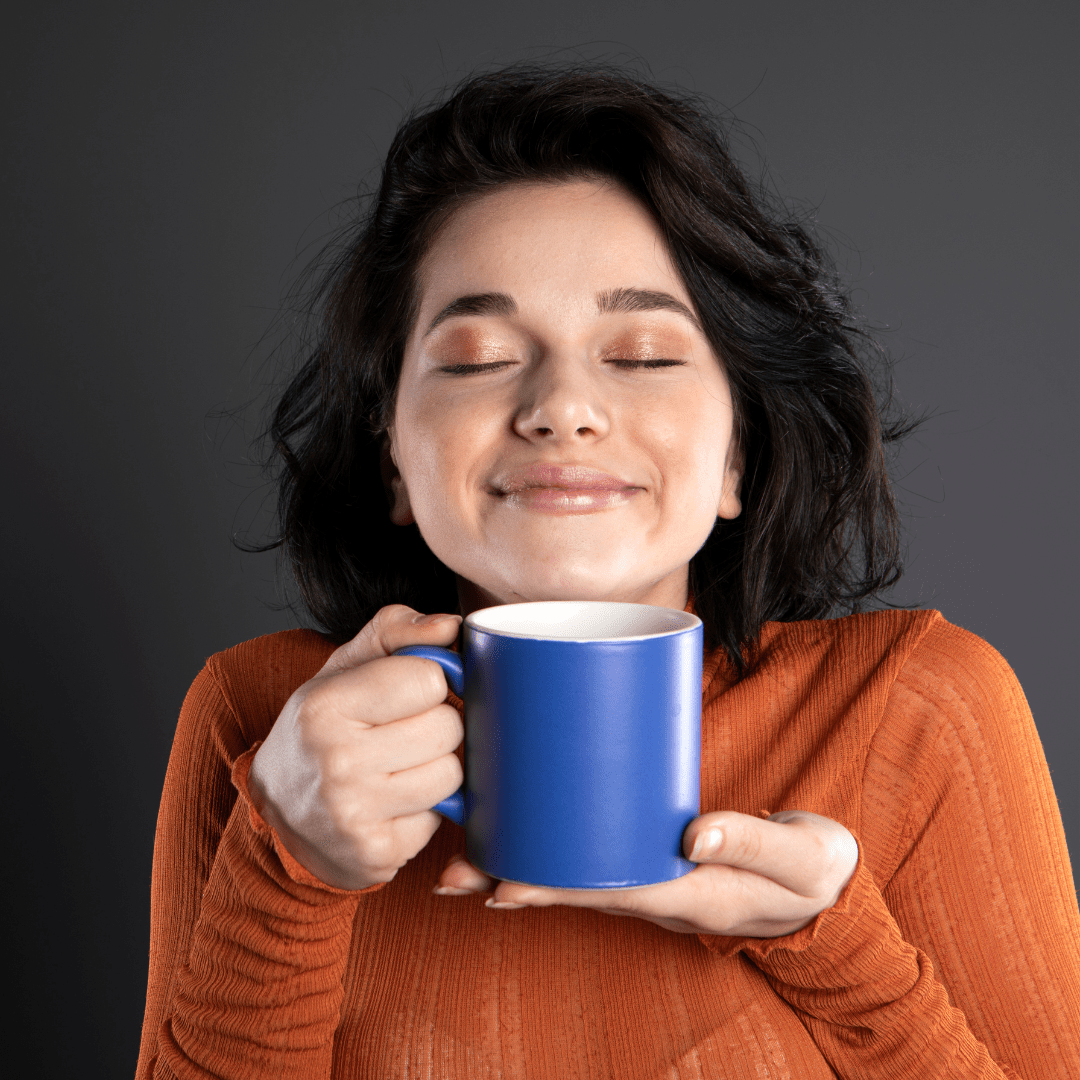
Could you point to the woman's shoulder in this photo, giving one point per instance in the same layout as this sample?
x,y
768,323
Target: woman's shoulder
x,y
959,692
285,650
929,675
909,641
910,651
868,633
789,653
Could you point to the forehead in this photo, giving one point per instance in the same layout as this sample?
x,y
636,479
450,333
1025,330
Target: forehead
x,y
548,243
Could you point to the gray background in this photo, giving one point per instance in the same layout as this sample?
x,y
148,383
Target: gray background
x,y
169,168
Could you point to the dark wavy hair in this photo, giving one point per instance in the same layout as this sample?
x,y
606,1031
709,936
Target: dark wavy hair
x,y
819,531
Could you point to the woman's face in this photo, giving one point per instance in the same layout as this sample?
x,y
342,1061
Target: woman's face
x,y
562,430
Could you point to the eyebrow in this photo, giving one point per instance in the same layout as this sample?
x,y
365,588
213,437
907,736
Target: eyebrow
x,y
615,301
611,302
496,303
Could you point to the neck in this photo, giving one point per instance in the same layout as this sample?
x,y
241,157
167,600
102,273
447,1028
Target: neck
x,y
671,591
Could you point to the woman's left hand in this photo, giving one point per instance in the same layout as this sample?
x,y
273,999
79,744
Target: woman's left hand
x,y
755,877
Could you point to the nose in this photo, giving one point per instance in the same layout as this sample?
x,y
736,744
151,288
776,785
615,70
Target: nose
x,y
561,403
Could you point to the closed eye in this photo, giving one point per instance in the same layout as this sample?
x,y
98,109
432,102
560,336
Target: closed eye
x,y
622,364
638,365
474,369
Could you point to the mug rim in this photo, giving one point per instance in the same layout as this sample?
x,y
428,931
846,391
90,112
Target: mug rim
x,y
688,620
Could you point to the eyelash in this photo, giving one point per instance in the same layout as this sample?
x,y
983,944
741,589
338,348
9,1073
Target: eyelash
x,y
632,365
473,369
625,365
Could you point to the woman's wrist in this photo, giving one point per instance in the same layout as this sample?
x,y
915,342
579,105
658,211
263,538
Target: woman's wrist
x,y
303,864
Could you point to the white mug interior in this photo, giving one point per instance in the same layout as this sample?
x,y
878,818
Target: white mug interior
x,y
581,620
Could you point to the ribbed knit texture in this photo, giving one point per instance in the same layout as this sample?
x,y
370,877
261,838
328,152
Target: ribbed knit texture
x,y
953,952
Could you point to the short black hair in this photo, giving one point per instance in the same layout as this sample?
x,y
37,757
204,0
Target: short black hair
x,y
819,531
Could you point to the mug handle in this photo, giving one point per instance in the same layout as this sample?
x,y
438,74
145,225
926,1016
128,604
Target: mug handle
x,y
453,806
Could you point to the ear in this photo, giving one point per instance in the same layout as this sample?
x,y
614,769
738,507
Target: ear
x,y
397,493
730,502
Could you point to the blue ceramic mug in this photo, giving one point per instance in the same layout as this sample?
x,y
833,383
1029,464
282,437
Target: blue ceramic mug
x,y
582,741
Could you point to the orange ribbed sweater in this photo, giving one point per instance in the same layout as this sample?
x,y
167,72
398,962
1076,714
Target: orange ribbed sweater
x,y
953,951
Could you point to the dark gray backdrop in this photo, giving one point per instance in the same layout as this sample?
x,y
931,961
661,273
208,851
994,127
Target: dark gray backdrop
x,y
167,168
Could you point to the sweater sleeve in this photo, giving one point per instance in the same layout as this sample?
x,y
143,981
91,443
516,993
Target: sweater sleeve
x,y
247,947
953,951
867,996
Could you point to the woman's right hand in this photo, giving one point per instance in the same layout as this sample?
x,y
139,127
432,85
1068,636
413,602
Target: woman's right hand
x,y
361,752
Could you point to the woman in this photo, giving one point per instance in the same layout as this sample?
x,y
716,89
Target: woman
x,y
569,354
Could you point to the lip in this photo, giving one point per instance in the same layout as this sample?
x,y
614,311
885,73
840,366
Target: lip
x,y
563,489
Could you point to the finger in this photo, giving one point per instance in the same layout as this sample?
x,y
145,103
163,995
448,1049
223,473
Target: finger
x,y
411,833
710,899
411,741
419,788
460,878
384,690
612,901
353,862
392,628
803,852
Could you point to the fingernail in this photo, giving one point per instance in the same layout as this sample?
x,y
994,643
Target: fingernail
x,y
707,843
503,905
431,620
449,890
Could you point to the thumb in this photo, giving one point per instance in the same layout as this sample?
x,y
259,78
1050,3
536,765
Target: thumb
x,y
392,628
460,877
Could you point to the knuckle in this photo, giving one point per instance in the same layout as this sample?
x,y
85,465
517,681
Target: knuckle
x,y
843,857
374,640
389,845
358,811
379,847
413,833
389,621
339,765
366,642
428,680
833,850
314,701
300,700
341,819
344,811
418,683
455,775
451,724
849,848
387,617
741,844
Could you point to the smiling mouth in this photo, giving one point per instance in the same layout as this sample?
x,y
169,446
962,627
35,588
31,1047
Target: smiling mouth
x,y
563,489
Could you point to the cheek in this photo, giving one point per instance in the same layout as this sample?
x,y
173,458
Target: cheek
x,y
691,449
419,450
440,457
430,471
